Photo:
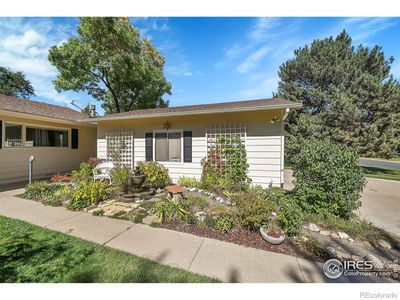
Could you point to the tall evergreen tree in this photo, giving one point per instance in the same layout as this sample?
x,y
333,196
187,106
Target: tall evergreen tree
x,y
348,96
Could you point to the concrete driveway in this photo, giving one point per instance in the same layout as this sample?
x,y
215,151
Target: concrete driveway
x,y
380,202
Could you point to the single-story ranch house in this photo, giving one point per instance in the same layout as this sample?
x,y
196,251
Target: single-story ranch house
x,y
178,137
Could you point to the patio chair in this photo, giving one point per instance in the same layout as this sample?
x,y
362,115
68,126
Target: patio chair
x,y
103,171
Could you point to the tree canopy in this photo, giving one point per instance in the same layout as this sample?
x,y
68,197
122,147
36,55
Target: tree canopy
x,y
348,94
111,62
15,84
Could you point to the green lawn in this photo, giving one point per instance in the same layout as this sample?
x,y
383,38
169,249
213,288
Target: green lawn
x,y
30,253
382,173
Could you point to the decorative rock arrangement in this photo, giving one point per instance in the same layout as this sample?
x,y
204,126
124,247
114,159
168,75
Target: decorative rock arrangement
x,y
212,196
112,207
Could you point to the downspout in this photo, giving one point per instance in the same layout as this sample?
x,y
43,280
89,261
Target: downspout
x,y
282,175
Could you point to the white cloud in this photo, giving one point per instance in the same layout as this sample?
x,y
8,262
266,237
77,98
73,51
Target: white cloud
x,y
263,28
24,47
251,61
187,74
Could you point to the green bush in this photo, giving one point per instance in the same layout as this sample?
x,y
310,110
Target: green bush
x,y
84,173
197,203
120,178
171,209
251,210
60,197
39,190
223,219
88,193
156,175
329,177
289,214
189,182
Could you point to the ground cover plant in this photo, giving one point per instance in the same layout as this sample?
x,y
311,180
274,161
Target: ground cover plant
x,y
29,253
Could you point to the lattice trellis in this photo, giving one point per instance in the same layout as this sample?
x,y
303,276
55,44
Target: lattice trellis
x,y
120,147
215,149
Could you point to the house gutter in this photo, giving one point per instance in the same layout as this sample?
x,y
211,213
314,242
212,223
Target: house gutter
x,y
11,113
197,112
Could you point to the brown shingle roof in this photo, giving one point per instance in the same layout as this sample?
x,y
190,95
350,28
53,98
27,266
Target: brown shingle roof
x,y
205,108
39,108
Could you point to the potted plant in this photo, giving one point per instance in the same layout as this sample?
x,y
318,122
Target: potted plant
x,y
272,232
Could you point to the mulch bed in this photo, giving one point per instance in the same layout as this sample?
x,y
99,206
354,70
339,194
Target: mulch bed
x,y
241,237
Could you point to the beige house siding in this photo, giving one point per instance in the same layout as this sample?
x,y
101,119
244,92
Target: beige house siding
x,y
48,160
264,141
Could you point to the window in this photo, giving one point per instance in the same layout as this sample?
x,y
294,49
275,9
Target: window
x,y
13,135
39,137
168,146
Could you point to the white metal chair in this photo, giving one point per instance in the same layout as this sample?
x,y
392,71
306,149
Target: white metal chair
x,y
103,171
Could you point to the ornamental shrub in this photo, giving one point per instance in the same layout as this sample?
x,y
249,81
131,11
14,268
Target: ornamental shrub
x,y
120,178
41,189
329,177
156,175
85,172
251,210
88,193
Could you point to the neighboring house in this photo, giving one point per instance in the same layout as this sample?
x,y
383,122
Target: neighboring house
x,y
58,137
180,137
177,137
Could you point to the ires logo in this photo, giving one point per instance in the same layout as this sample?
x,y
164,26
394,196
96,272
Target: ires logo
x,y
334,268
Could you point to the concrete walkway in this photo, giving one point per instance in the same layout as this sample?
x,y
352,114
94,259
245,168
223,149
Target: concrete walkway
x,y
226,261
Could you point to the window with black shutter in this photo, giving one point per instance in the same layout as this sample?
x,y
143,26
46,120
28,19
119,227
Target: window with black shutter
x,y
187,146
149,146
74,138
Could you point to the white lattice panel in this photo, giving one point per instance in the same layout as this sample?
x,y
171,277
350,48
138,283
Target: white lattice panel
x,y
227,131
120,147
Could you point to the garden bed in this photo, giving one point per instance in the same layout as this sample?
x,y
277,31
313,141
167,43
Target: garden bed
x,y
243,238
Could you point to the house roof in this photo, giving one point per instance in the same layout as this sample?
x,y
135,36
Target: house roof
x,y
41,109
237,106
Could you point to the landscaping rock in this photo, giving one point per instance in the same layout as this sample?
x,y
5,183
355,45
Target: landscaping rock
x,y
201,215
174,189
313,227
325,232
384,244
159,191
343,255
356,258
375,261
148,220
335,236
95,210
351,240
331,251
343,235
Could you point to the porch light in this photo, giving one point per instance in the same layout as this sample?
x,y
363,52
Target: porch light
x,y
167,125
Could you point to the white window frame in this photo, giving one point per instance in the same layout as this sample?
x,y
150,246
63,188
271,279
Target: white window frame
x,y
23,143
154,145
48,128
22,135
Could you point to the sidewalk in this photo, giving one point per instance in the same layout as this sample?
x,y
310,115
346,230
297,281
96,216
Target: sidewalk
x,y
226,261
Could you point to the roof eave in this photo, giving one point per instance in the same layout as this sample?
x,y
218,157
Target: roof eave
x,y
12,113
197,112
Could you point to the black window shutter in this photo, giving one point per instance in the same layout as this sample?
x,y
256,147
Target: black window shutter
x,y
187,146
74,138
1,134
149,146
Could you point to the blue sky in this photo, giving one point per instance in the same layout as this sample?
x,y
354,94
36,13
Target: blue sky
x,y
208,59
